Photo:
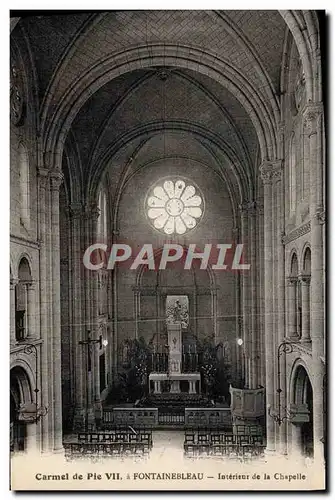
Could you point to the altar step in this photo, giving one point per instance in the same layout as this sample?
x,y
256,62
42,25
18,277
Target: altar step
x,y
168,400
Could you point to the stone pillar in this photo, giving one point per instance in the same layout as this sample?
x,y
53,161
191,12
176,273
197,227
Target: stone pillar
x,y
192,387
296,446
79,377
31,438
44,301
292,308
175,387
266,173
94,211
247,341
313,115
13,283
254,358
260,290
280,298
56,180
305,307
31,309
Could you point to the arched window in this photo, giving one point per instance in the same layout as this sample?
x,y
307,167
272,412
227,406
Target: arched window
x,y
24,186
21,300
305,289
307,262
293,175
102,221
295,314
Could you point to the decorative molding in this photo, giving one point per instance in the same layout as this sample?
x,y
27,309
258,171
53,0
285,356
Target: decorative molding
x,y
271,170
17,103
297,233
300,87
311,115
248,207
22,241
76,210
20,346
304,278
56,179
163,74
320,215
91,212
14,282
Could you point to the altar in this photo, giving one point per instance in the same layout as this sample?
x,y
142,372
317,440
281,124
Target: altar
x,y
175,379
174,374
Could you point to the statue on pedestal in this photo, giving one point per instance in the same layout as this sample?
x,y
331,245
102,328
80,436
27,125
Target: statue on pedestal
x,y
177,311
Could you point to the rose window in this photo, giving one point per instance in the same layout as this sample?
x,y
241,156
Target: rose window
x,y
174,207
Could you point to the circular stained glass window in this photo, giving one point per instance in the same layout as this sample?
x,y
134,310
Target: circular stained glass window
x,y
174,207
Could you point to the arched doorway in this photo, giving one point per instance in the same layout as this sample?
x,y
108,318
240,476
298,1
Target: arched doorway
x,y
20,393
302,413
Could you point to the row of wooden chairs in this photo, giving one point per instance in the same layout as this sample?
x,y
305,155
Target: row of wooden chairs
x,y
231,451
226,429
216,442
74,451
118,436
223,439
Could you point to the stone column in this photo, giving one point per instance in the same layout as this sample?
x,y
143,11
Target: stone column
x,y
296,446
292,308
305,307
266,173
260,290
79,377
313,115
192,387
31,311
56,180
247,341
44,301
238,323
13,283
254,359
31,438
94,211
175,387
280,298
86,241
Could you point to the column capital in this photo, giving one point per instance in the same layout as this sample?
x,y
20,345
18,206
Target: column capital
x,y
235,232
56,179
30,284
292,280
92,211
13,282
277,173
271,170
304,278
43,172
248,207
76,210
311,115
43,176
320,215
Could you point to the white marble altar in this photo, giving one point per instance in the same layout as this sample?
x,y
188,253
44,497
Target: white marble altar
x,y
175,379
174,375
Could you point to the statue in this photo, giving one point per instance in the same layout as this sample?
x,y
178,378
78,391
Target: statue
x,y
177,312
125,353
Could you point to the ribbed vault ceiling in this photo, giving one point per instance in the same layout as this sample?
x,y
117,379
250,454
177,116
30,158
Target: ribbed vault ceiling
x,y
123,121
